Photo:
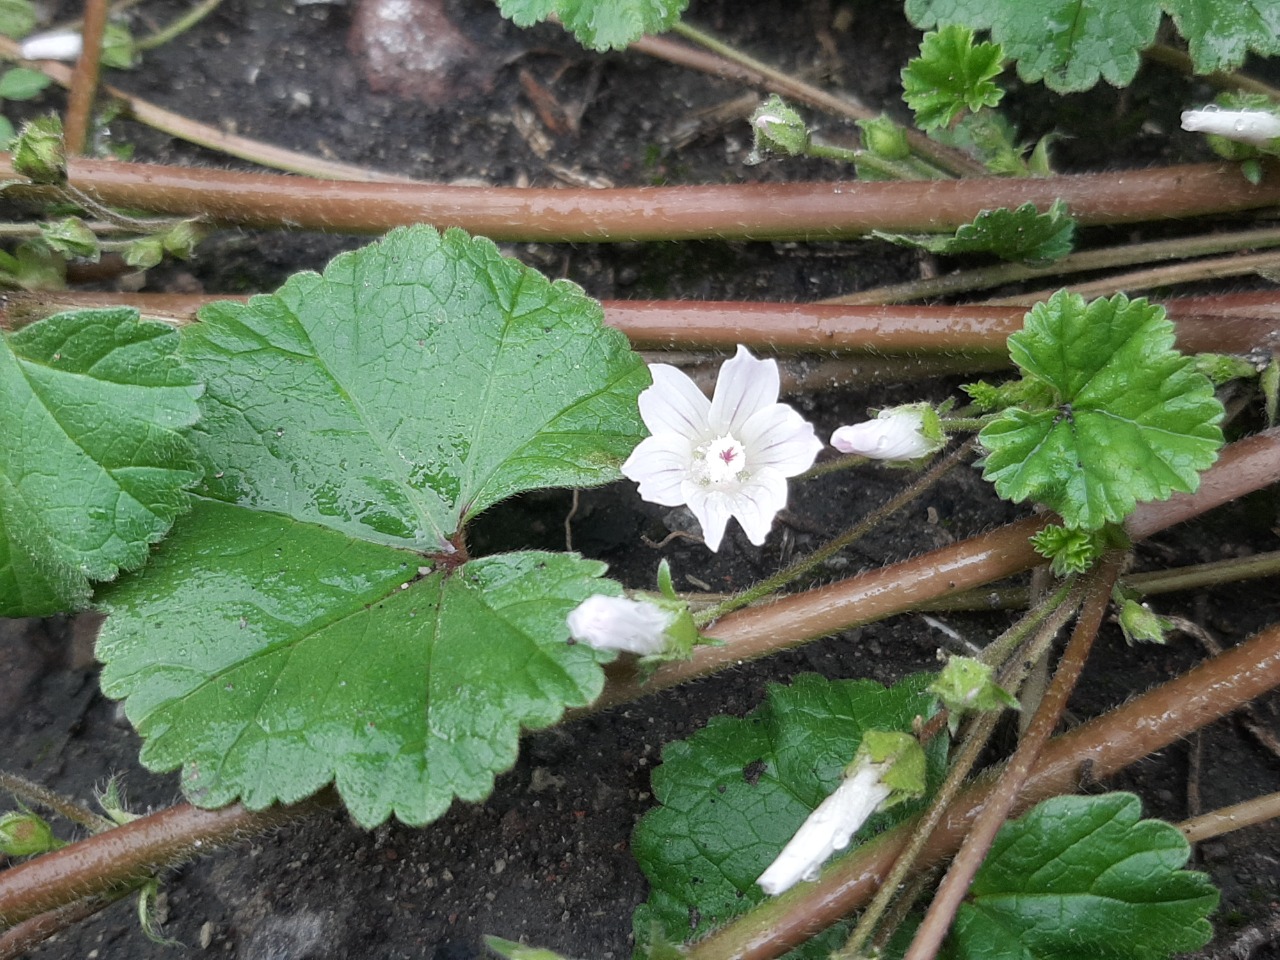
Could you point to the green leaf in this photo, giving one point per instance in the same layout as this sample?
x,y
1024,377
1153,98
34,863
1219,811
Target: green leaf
x,y
17,18
19,83
1220,32
951,75
417,382
1066,880
1069,44
599,24
733,794
1024,235
93,467
319,619
321,658
1130,419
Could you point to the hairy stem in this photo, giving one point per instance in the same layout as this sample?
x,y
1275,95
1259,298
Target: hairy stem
x,y
760,211
1235,817
1107,744
84,78
36,795
1004,795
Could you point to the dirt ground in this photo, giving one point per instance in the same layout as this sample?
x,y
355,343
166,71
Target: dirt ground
x,y
451,92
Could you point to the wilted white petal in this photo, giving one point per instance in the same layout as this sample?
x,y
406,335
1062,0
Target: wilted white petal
x,y
59,45
1248,126
828,829
725,457
674,404
616,623
894,435
744,386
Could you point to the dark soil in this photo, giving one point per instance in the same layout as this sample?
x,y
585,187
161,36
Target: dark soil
x,y
447,92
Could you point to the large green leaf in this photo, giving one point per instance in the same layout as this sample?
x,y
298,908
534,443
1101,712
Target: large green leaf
x,y
320,619
418,381
1083,878
268,657
93,464
733,794
1130,418
1220,32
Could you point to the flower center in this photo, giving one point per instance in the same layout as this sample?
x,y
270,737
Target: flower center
x,y
722,460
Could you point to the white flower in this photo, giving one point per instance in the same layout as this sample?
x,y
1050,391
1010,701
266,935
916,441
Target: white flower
x,y
898,433
725,457
1248,126
828,829
59,45
616,623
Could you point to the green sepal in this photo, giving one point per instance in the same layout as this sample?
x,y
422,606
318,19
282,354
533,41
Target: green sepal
x,y
181,239
1141,624
778,128
1224,367
39,153
884,138
118,49
903,760
24,834
71,238
967,684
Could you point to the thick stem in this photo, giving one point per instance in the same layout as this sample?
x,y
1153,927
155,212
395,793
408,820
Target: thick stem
x,y
760,211
1106,745
118,857
84,78
1230,323
1012,779
1243,467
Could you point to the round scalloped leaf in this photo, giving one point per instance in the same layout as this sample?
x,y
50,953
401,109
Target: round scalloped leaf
x,y
416,382
268,657
1131,419
93,466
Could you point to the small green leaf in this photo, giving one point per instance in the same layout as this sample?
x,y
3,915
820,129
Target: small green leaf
x,y
1130,418
93,467
1068,550
950,76
734,793
71,238
1221,32
518,951
17,18
33,266
19,83
1023,235
599,24
1068,878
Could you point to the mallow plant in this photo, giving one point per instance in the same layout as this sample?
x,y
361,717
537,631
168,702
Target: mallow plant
x,y
272,507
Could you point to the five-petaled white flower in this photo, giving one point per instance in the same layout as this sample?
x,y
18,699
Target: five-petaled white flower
x,y
616,623
725,457
1258,127
898,433
828,829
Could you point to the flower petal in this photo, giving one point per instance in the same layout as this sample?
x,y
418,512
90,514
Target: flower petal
x,y
674,404
616,623
712,508
660,464
779,438
894,435
758,502
744,386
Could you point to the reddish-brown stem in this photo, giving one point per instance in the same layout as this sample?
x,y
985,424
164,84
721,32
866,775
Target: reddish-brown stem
x,y
84,78
1106,745
1012,779
1229,323
1245,466
760,211
114,858
21,937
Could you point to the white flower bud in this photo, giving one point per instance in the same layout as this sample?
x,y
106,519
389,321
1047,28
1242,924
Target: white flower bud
x,y
616,623
898,433
828,829
60,45
1258,127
